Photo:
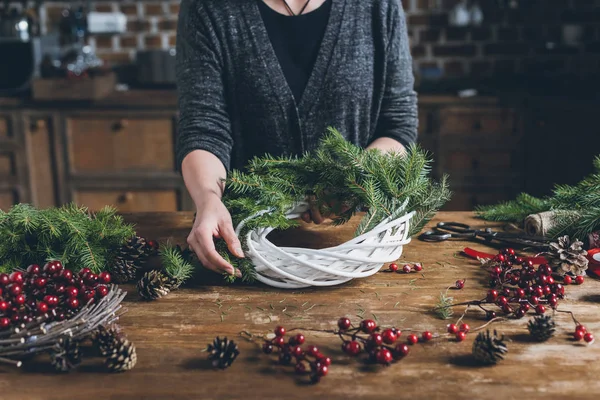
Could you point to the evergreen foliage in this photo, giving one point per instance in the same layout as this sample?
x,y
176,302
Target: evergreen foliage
x,y
343,178
71,234
577,207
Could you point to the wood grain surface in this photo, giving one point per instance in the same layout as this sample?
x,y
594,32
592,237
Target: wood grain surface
x,y
171,334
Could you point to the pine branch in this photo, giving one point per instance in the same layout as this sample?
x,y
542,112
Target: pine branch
x,y
174,264
443,308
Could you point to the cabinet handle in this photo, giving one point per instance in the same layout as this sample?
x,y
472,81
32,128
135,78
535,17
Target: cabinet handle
x,y
125,198
120,125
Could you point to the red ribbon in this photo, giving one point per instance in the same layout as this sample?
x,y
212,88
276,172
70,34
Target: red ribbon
x,y
478,254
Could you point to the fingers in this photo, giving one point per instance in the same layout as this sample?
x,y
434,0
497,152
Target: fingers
x,y
233,243
315,213
201,242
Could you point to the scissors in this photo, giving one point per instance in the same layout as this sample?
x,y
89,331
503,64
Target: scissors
x,y
456,230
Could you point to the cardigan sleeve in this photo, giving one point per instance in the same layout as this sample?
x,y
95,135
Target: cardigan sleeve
x,y
398,117
204,122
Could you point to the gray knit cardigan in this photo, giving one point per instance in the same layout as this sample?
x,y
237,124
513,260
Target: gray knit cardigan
x,y
234,100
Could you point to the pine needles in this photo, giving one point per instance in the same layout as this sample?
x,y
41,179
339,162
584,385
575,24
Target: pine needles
x,y
343,178
443,308
71,234
577,207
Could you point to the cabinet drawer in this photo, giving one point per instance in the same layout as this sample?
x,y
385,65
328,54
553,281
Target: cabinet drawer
x,y
128,200
4,127
475,122
7,199
477,163
105,144
7,165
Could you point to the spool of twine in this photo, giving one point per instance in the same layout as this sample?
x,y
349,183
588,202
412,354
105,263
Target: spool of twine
x,y
540,224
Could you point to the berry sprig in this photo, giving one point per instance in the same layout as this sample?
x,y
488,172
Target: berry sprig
x,y
581,332
406,269
52,292
308,360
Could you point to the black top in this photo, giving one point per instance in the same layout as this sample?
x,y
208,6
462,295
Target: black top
x,y
296,41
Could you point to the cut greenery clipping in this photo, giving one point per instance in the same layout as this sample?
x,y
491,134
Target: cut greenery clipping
x,y
343,178
577,207
71,234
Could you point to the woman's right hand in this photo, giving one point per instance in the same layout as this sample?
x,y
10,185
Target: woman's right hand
x,y
214,221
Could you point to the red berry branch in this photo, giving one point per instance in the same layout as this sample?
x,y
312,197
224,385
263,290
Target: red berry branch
x,y
406,269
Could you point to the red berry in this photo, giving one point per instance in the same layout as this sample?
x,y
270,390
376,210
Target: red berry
x,y
465,328
506,292
325,361
406,269
299,339
42,307
507,309
393,267
489,315
279,331
520,293
500,258
296,351
40,282
543,280
553,301
66,274
540,309
322,370
534,300
4,305
352,348
73,303
460,336
492,296
502,301
401,350
101,291
426,336
84,271
452,328
91,279
278,341
459,284
528,264
384,356
72,291
4,323
267,348
578,335
312,350
588,337
519,260
579,279
389,336
412,339
550,280
525,306
418,267
153,244
376,339
34,269
104,277
344,323
51,267
52,301
581,328
300,368
520,313
88,295
510,252
15,289
4,279
368,326
567,280
16,277
19,299
514,279
547,290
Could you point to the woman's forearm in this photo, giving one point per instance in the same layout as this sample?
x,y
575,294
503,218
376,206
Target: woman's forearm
x,y
386,144
203,173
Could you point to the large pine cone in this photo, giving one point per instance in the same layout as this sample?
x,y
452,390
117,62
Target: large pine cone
x,y
65,355
489,349
121,356
106,338
567,257
123,271
137,249
155,284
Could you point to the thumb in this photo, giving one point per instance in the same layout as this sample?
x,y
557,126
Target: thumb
x,y
233,243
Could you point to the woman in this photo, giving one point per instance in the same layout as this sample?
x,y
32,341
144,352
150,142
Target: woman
x,y
269,76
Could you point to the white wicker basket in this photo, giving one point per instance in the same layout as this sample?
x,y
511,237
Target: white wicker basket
x,y
291,267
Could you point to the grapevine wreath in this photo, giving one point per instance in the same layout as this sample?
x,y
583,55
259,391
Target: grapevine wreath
x,y
396,190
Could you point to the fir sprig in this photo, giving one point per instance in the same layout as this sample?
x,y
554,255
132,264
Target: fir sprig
x,y
174,264
71,234
443,308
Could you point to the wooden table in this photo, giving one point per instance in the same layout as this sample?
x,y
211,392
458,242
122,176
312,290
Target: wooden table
x,y
170,335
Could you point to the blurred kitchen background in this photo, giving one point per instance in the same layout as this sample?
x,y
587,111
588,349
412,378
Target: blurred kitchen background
x,y
508,99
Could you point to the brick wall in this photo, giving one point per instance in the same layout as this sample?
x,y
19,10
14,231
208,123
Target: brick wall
x,y
508,41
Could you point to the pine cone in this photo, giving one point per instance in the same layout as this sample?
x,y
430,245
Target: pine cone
x,y
155,284
567,257
222,352
105,338
489,349
121,355
123,271
137,249
542,327
65,355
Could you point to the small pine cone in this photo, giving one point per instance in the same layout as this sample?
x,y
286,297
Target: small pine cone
x,y
222,352
123,271
104,338
155,284
65,355
489,349
542,327
567,256
121,356
137,249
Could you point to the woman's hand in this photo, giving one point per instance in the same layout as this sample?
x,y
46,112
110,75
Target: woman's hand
x,y
214,221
